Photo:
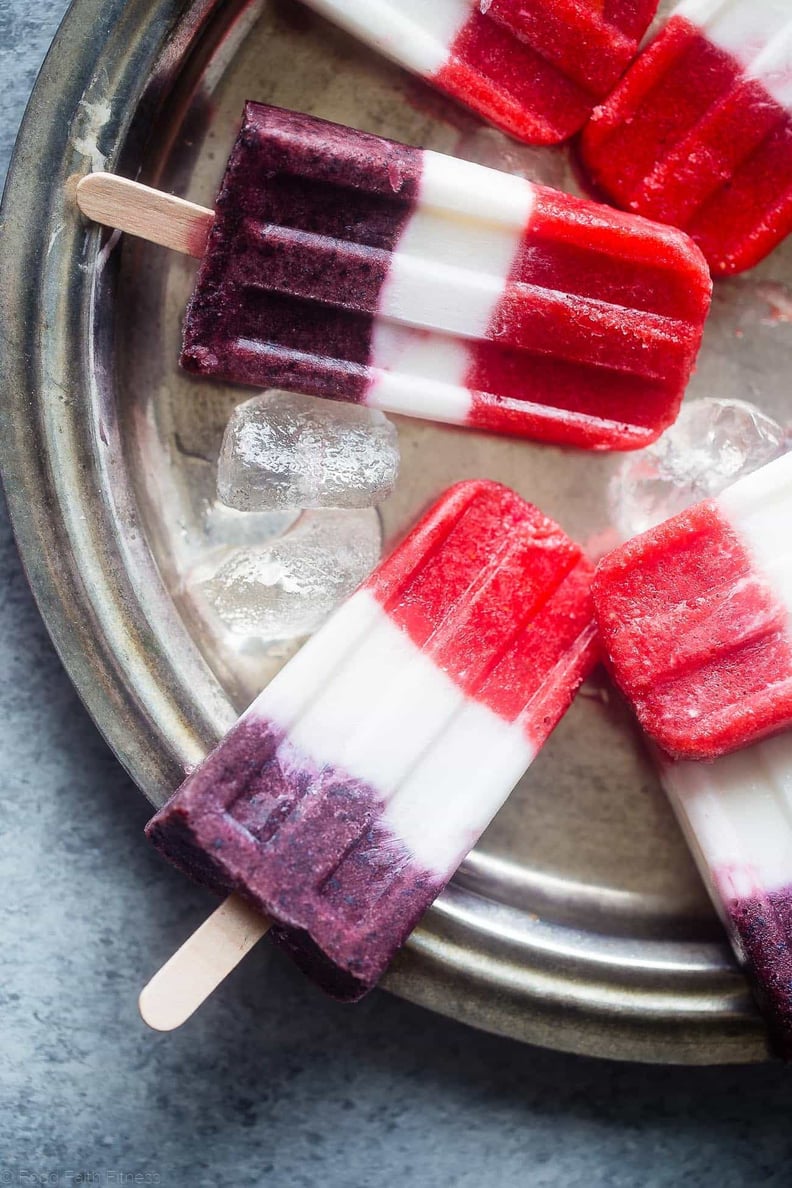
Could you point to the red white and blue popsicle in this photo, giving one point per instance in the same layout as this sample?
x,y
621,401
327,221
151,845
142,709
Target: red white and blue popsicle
x,y
695,618
536,68
351,267
699,132
345,798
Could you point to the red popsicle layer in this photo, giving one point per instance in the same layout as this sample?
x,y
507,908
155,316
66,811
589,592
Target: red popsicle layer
x,y
699,133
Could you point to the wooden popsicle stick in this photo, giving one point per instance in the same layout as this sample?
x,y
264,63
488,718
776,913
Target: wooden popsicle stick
x,y
150,214
204,960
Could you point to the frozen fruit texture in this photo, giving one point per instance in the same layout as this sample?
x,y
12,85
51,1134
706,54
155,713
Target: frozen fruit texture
x,y
761,928
535,68
346,266
305,222
694,617
345,798
699,132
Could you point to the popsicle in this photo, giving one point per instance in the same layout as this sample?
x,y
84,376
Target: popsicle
x,y
699,131
737,815
346,266
345,798
694,618
535,68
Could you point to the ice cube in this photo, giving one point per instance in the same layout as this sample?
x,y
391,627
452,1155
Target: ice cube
x,y
226,528
289,587
284,450
713,443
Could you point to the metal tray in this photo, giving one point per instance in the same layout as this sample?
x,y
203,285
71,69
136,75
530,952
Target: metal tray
x,y
579,922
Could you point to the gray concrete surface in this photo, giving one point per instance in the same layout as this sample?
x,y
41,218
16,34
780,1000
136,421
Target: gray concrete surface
x,y
271,1084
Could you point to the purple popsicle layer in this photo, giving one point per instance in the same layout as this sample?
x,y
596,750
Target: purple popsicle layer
x,y
332,861
289,178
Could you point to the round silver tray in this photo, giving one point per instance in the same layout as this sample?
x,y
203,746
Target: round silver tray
x,y
579,922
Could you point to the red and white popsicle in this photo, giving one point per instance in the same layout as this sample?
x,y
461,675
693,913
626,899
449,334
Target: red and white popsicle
x,y
695,618
347,266
535,68
699,132
348,794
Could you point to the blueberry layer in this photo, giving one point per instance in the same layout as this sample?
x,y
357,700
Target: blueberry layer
x,y
304,845
260,315
762,931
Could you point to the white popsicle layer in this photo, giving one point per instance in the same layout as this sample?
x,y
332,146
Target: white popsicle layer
x,y
442,763
451,264
737,815
759,509
448,277
418,34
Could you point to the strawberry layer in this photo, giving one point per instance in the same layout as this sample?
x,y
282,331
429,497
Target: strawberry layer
x,y
355,784
694,618
617,315
498,595
695,136
536,68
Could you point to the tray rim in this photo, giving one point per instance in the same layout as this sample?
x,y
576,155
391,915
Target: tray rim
x,y
97,623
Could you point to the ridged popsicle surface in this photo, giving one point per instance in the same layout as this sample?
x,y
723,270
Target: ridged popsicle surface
x,y
699,132
696,619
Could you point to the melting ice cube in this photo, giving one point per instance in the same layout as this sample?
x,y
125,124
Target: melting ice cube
x,y
713,443
289,587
